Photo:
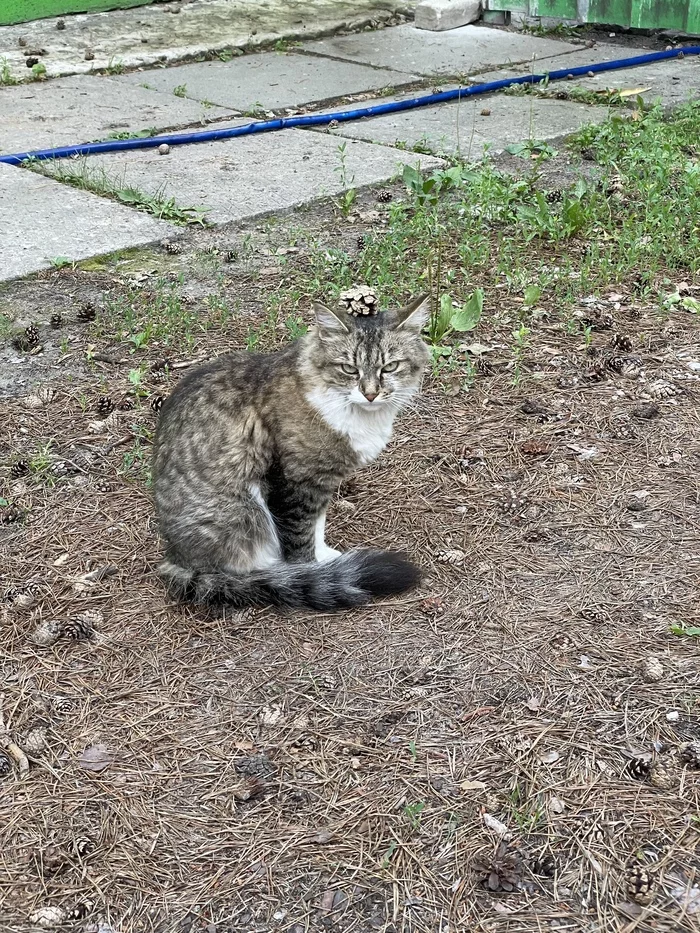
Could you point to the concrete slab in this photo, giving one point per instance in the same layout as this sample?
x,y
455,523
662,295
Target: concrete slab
x,y
169,32
272,79
460,128
458,51
672,82
42,220
572,59
87,108
239,178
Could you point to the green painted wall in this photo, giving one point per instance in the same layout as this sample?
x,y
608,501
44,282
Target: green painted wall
x,y
21,11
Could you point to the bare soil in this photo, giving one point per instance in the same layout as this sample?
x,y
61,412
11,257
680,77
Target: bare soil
x,y
489,753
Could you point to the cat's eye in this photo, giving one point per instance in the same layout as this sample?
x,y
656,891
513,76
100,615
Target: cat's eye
x,y
348,370
390,367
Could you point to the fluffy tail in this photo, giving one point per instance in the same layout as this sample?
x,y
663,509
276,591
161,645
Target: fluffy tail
x,y
350,580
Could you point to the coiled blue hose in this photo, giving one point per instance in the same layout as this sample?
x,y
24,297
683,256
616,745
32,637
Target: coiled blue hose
x,y
321,119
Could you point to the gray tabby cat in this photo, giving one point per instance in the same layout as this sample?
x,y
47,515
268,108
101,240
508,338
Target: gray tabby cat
x,y
251,447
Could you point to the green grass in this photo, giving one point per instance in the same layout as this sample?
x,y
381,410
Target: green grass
x,y
473,227
6,76
97,181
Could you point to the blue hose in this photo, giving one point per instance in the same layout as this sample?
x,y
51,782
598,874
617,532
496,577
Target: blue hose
x,y
319,119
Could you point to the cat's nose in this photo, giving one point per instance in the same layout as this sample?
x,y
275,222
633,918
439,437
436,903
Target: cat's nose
x,y
370,396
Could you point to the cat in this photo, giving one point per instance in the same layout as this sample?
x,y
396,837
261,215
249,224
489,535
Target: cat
x,y
250,449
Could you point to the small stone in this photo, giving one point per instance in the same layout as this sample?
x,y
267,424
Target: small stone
x,y
88,56
60,24
355,764
485,112
673,715
163,149
95,758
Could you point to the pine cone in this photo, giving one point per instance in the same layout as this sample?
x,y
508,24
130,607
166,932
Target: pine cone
x,y
621,342
652,670
35,741
639,884
554,196
56,320
104,405
5,764
20,468
87,313
10,515
615,363
504,872
61,705
361,241
384,197
483,367
545,865
231,255
27,340
511,503
598,320
103,485
79,628
47,633
359,300
595,372
83,845
662,389
433,606
690,754
126,404
80,910
622,430
639,767
662,777
171,246
157,403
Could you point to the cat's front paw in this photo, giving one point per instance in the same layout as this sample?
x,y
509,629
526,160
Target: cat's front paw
x,y
325,553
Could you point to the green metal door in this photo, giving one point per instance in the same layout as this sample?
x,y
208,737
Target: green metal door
x,y
22,11
683,15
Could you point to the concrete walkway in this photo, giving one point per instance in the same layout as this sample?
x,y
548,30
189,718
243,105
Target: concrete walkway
x,y
44,219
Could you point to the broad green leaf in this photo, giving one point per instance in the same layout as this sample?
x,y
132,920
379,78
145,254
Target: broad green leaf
x,y
692,631
531,295
468,316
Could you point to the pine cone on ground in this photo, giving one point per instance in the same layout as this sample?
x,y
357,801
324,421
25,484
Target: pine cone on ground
x,y
104,405
83,845
652,670
19,468
554,196
359,300
662,777
621,342
384,197
79,628
56,320
61,705
361,241
622,430
662,390
595,372
126,404
27,340
639,767
503,872
231,255
639,884
5,764
156,403
87,313
545,865
598,319
690,754
10,515
171,246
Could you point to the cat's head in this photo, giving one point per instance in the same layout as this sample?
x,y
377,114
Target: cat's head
x,y
371,361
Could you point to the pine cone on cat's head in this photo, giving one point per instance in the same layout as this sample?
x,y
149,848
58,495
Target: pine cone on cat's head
x,y
359,300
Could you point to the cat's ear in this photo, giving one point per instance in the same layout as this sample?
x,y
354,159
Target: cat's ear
x,y
329,321
414,316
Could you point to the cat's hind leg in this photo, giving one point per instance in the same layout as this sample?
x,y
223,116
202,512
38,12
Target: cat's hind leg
x,y
321,549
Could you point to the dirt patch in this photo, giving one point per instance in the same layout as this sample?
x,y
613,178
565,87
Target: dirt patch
x,y
499,751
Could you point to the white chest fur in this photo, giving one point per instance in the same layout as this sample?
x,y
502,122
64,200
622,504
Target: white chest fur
x,y
367,431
